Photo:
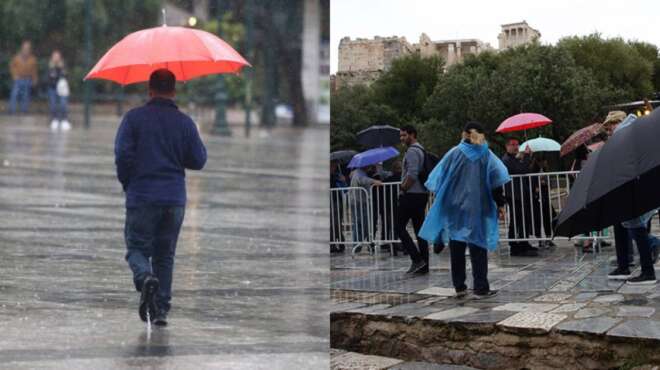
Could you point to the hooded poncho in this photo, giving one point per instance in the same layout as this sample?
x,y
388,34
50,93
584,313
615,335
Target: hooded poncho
x,y
464,208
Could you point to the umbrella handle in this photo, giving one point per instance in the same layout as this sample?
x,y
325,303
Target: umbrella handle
x,y
164,16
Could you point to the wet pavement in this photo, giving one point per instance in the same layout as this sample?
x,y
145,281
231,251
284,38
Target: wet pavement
x,y
562,290
251,272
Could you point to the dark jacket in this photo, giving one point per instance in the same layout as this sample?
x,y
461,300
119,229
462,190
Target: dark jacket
x,y
521,187
155,144
54,75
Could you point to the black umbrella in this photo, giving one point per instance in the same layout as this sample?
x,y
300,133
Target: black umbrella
x,y
342,156
378,136
618,182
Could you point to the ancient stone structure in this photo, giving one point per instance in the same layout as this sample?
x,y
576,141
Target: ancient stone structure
x,y
362,61
516,34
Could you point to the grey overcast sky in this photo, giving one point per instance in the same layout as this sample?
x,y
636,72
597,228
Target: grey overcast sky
x,y
458,19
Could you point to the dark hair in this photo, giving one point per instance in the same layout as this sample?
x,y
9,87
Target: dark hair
x,y
162,81
512,138
409,129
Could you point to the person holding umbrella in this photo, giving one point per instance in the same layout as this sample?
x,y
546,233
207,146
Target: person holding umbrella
x,y
518,196
468,191
154,146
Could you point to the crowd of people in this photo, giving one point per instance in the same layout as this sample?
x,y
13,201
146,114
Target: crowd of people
x,y
472,186
24,72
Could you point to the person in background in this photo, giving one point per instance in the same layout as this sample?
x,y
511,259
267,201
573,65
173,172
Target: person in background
x,y
337,180
359,201
58,92
413,198
544,212
518,196
23,70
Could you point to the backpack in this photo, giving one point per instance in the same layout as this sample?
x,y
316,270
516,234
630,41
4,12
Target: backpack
x,y
430,160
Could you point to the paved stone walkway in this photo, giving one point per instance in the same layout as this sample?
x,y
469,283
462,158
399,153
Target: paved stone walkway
x,y
251,274
562,291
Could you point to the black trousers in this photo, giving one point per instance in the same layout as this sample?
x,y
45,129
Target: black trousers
x,y
336,217
479,260
623,247
412,207
520,225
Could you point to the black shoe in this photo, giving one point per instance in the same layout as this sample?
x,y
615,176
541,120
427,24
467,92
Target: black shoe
x,y
147,298
438,248
423,270
416,267
619,274
160,319
605,243
485,295
642,280
460,294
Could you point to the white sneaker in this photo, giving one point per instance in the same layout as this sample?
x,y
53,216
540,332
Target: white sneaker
x,y
66,126
54,124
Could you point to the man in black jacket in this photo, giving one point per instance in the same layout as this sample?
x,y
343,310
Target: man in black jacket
x,y
518,194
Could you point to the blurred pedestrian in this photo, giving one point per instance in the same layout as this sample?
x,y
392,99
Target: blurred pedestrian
x,y
155,144
413,198
519,197
469,195
58,92
23,69
359,201
544,212
337,181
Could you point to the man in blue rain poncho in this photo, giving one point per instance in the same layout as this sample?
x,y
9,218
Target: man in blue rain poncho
x,y
468,193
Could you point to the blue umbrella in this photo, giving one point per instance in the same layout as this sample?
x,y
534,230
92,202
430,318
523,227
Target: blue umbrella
x,y
372,156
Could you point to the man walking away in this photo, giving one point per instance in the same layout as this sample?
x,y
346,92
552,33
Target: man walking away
x,y
412,201
23,69
155,144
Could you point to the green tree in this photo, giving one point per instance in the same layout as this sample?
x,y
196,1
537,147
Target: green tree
x,y
491,87
354,109
407,84
625,67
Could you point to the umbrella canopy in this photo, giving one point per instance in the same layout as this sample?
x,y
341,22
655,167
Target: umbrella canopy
x,y
540,144
618,182
378,136
580,137
372,156
187,52
342,156
523,121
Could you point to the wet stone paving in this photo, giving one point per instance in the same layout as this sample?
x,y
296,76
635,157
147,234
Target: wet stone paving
x,y
251,271
562,290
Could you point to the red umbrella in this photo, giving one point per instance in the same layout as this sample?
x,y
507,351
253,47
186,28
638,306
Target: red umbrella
x,y
187,52
579,137
523,121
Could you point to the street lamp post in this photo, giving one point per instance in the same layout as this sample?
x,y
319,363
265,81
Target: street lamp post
x,y
220,126
88,60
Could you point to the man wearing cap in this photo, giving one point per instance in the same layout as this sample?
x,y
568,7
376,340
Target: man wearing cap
x,y
468,198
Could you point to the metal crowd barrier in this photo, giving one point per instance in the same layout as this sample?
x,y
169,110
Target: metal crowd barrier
x,y
359,217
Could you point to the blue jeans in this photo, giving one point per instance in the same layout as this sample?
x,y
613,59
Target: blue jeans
x,y
57,104
151,233
20,89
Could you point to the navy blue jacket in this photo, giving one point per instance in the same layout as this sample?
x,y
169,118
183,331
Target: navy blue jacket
x,y
155,144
